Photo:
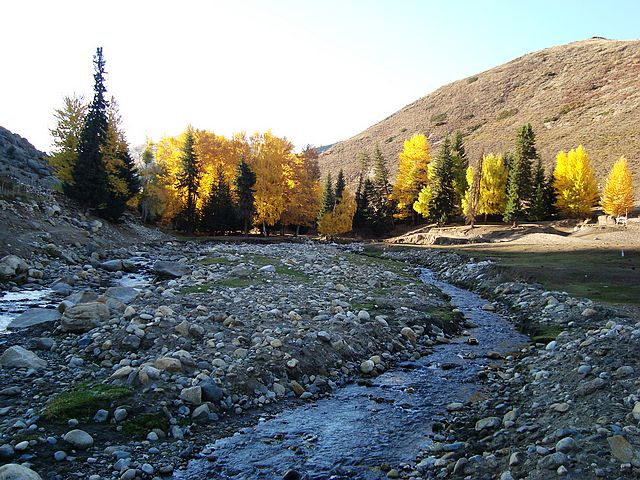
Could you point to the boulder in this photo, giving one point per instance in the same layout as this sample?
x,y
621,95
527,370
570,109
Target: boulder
x,y
84,317
168,364
14,264
167,269
13,471
112,265
211,392
192,395
78,439
18,357
34,316
123,294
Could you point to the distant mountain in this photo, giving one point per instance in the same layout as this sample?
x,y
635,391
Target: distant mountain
x,y
21,161
586,92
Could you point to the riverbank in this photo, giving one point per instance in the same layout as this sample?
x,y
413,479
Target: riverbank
x,y
133,382
566,407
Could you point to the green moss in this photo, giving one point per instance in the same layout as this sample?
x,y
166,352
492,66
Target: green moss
x,y
83,401
545,333
141,425
472,79
292,272
214,261
507,113
222,283
444,314
439,118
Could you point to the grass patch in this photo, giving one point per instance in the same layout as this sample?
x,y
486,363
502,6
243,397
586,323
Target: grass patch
x,y
545,333
507,113
439,119
222,283
599,274
214,261
83,401
292,272
472,79
141,425
444,314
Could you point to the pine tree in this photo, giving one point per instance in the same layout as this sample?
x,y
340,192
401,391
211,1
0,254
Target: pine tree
x,y
540,207
90,183
244,183
328,197
441,203
219,210
381,208
188,182
70,120
617,196
519,192
359,218
460,164
340,186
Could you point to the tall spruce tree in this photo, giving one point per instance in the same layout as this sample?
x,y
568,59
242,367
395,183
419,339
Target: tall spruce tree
x,y
188,182
328,197
90,185
245,181
359,218
519,191
442,192
340,186
460,164
219,213
541,201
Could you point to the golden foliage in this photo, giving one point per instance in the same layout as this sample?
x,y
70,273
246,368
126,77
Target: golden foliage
x,y
302,192
574,183
467,196
413,174
340,220
617,197
493,185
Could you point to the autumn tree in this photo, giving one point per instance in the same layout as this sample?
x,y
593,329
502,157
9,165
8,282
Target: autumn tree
x,y
519,179
493,183
339,220
153,197
574,183
245,181
617,196
188,182
412,174
310,155
301,192
471,200
66,135
90,183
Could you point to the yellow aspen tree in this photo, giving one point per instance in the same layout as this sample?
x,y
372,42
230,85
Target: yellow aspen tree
x,y
340,220
301,192
412,174
493,186
470,173
574,183
617,197
268,161
168,151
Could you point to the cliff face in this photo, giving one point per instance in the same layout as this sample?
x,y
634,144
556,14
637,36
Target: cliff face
x,y
585,93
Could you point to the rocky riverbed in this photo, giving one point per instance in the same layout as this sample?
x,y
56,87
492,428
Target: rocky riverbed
x,y
124,382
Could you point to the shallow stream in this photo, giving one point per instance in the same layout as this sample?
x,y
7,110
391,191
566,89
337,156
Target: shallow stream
x,y
360,428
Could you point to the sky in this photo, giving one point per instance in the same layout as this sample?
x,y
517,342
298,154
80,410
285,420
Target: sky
x,y
314,71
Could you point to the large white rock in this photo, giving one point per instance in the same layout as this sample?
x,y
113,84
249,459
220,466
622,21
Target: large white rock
x,y
78,439
18,357
84,317
13,471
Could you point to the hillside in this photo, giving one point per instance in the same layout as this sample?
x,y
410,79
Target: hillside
x,y
19,160
586,92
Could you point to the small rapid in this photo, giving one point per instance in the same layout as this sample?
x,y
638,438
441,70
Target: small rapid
x,y
356,430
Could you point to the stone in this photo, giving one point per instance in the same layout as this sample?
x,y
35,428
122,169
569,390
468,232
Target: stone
x,y
364,316
125,295
293,363
455,406
268,269
409,334
488,307
168,364
553,461
167,269
201,413
588,312
13,471
291,475
297,388
101,416
488,423
192,395
324,336
59,456
587,388
34,316
22,446
620,448
211,392
18,357
566,445
14,264
625,371
516,458
112,265
84,317
367,366
120,414
78,439
636,411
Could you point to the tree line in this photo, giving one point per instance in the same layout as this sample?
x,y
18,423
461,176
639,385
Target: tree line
x,y
203,182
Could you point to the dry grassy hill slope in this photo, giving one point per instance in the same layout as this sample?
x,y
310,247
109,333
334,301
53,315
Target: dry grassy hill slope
x,y
586,92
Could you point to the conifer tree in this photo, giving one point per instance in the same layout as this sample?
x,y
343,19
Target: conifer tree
x,y
460,164
188,182
519,192
617,196
380,206
359,218
340,186
442,198
90,183
219,210
540,207
244,182
328,197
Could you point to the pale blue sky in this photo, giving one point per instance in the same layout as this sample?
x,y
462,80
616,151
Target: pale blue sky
x,y
314,71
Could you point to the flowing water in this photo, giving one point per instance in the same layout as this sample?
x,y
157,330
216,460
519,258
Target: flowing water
x,y
13,304
359,428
